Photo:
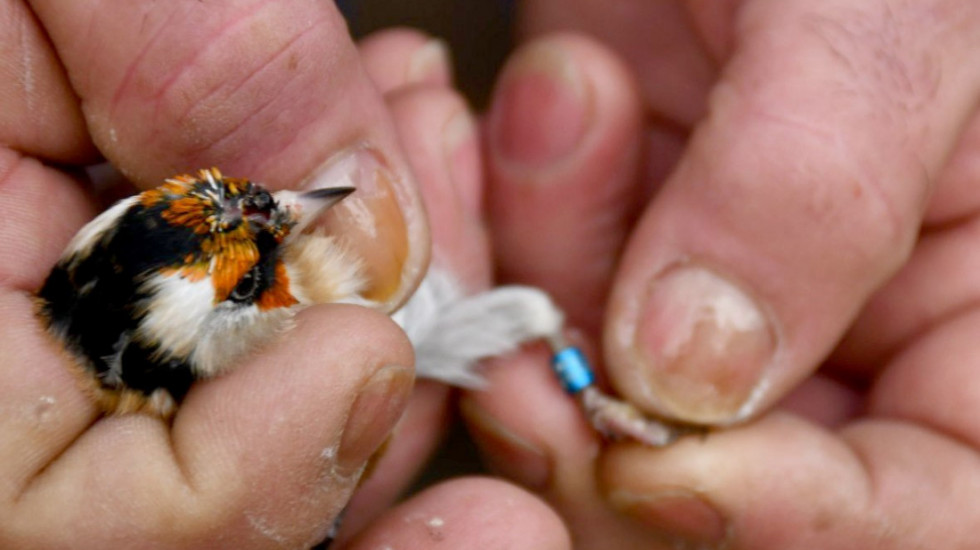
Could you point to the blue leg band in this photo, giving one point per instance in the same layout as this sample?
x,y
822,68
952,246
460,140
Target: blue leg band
x,y
573,369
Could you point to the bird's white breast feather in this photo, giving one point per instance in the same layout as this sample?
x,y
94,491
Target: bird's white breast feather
x,y
232,330
176,312
181,317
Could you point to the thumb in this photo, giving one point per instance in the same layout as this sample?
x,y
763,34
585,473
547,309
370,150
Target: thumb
x,y
799,194
272,91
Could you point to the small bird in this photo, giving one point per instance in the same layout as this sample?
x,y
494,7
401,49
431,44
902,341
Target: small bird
x,y
181,282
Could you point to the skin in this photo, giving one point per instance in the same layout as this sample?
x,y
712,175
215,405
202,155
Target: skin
x,y
265,456
819,156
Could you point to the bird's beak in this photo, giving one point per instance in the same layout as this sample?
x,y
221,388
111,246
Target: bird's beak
x,y
304,207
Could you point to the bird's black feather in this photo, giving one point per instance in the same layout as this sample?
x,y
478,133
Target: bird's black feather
x,y
94,301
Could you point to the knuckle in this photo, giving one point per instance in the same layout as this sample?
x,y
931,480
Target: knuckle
x,y
816,190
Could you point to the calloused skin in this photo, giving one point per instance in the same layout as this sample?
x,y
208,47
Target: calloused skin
x,y
818,158
267,455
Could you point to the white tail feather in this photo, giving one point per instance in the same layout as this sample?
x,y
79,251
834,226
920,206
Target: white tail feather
x,y
451,332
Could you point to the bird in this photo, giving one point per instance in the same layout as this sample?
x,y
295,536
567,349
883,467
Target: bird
x,y
180,282
183,281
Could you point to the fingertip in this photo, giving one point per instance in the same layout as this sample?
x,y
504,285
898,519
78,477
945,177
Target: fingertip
x,y
692,343
297,423
558,100
415,437
781,480
398,57
477,513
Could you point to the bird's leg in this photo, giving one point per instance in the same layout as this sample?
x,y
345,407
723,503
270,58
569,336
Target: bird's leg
x,y
614,418
451,332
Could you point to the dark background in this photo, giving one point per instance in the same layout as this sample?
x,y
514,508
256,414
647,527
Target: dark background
x,y
478,33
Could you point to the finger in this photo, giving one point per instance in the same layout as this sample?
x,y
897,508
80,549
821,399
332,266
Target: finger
x,y
40,209
39,114
955,197
563,139
270,91
413,440
912,301
399,57
264,454
793,203
825,401
471,513
527,438
438,133
541,440
669,45
933,383
784,483
937,282
440,142
44,409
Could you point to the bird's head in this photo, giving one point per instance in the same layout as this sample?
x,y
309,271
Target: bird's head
x,y
227,283
231,232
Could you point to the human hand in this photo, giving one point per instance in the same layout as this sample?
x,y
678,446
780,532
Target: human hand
x,y
265,456
806,262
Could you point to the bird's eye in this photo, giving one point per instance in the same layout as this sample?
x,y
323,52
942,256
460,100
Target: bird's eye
x,y
262,200
259,206
244,291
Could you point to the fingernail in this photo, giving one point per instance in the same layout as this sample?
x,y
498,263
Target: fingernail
x,y
677,513
505,452
541,108
377,407
463,155
430,63
371,220
703,346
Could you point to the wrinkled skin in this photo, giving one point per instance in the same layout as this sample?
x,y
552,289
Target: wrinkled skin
x,y
265,456
762,214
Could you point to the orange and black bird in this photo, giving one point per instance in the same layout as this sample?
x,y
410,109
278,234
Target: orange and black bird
x,y
178,282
